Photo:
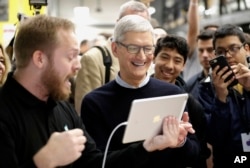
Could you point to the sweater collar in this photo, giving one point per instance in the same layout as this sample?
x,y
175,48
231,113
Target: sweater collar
x,y
13,87
122,83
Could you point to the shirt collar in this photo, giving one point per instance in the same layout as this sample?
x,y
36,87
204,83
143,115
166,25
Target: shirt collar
x,y
122,83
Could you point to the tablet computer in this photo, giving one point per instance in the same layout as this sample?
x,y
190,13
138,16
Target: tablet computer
x,y
146,115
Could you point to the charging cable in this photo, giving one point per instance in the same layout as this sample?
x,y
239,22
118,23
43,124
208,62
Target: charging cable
x,y
110,137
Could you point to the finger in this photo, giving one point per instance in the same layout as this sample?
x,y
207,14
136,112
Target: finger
x,y
76,132
225,76
81,140
191,130
185,117
169,125
175,125
221,73
81,148
166,125
188,127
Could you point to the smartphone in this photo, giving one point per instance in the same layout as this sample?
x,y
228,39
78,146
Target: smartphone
x,y
222,62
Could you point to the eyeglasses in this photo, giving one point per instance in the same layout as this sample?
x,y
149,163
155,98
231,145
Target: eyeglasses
x,y
134,49
232,50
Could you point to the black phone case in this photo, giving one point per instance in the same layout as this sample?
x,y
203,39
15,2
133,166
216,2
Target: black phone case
x,y
222,62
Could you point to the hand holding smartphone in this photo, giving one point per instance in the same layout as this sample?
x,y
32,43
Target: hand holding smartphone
x,y
222,62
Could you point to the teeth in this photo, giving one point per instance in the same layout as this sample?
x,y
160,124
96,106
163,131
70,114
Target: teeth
x,y
68,83
166,73
138,64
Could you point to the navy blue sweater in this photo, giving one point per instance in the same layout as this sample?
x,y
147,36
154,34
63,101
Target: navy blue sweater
x,y
106,107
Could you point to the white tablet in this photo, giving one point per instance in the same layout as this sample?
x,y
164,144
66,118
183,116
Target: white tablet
x,y
146,115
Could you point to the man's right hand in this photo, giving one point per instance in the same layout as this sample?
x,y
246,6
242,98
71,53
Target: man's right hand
x,y
61,149
219,83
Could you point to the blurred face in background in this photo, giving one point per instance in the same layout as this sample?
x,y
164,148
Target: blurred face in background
x,y
205,52
159,32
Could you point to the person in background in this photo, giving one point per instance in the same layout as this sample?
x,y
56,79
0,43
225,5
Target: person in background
x,y
107,106
92,74
169,58
159,32
213,27
192,65
84,46
247,43
205,53
38,127
247,48
5,65
227,108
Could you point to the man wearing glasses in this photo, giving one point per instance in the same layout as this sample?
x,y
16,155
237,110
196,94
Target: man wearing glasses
x,y
229,108
106,107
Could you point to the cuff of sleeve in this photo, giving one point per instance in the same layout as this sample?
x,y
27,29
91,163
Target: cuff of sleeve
x,y
182,143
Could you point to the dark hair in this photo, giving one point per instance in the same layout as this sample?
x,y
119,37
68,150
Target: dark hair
x,y
229,30
173,42
83,42
206,34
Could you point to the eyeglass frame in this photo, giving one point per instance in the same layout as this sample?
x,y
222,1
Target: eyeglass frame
x,y
229,50
138,48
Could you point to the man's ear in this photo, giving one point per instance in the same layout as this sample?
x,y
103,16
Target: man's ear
x,y
114,48
246,47
39,59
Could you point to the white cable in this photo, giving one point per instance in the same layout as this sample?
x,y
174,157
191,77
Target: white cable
x,y
108,142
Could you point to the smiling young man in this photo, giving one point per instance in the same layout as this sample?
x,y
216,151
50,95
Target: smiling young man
x,y
228,113
169,58
108,106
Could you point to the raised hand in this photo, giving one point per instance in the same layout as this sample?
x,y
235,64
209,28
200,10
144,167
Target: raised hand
x,y
242,73
218,78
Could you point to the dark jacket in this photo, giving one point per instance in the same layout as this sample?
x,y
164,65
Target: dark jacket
x,y
198,120
192,85
226,122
